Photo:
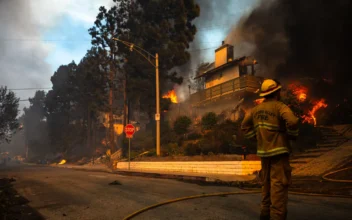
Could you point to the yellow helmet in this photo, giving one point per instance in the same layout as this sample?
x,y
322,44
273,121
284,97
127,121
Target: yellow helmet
x,y
268,87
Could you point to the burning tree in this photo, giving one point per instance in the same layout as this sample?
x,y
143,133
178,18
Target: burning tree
x,y
171,95
299,91
311,118
296,97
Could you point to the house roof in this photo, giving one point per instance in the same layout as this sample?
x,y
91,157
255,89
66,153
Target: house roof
x,y
224,66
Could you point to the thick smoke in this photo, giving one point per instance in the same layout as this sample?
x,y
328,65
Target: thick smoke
x,y
213,24
299,39
22,54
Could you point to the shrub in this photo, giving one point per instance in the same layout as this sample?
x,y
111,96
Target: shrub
x,y
192,149
194,136
209,144
182,124
209,121
151,153
173,149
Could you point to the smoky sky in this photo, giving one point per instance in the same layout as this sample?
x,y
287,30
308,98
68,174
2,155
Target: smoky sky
x,y
213,24
215,21
22,56
298,39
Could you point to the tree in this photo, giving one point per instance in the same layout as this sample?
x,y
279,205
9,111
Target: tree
x,y
109,24
8,114
91,98
35,127
64,127
182,124
209,121
163,27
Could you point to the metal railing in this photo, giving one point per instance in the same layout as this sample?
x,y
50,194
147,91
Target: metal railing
x,y
247,83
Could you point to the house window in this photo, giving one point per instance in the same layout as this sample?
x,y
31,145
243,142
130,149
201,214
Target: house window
x,y
243,70
247,70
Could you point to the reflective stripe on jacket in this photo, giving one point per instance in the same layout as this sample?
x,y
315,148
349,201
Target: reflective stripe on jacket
x,y
271,123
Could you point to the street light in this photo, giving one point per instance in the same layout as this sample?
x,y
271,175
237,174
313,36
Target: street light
x,y
148,56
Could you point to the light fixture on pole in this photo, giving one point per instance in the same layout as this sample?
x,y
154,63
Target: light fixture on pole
x,y
148,56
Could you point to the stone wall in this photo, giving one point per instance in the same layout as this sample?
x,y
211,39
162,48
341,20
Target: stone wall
x,y
205,167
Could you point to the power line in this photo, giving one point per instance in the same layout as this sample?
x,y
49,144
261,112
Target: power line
x,y
43,40
29,89
201,49
214,27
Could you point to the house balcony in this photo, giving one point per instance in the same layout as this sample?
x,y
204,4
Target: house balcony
x,y
243,84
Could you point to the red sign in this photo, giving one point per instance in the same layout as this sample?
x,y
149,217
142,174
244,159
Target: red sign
x,y
129,130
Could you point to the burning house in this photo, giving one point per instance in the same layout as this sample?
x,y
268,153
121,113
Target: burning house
x,y
226,82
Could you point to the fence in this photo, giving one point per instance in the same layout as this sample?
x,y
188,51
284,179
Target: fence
x,y
244,83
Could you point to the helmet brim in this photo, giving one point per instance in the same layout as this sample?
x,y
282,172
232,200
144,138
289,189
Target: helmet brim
x,y
263,94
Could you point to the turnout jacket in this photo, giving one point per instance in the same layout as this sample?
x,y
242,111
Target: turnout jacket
x,y
273,124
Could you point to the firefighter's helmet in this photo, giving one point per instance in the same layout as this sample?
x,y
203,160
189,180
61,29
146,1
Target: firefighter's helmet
x,y
269,86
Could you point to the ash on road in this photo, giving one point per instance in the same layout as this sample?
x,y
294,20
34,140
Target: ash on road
x,y
70,194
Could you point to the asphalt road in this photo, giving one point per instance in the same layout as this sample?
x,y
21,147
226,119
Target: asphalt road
x,y
59,193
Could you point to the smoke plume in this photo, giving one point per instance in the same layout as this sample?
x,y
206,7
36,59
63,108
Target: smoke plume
x,y
213,24
295,39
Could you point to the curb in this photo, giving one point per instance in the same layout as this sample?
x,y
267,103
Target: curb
x,y
181,177
186,178
165,176
107,170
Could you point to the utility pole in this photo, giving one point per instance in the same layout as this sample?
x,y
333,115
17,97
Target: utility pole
x,y
89,122
148,57
94,139
157,117
111,115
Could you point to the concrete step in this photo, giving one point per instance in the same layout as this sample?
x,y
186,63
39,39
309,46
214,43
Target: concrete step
x,y
300,161
321,149
307,156
333,137
326,145
330,132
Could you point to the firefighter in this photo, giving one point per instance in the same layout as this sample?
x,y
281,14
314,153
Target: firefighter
x,y
273,125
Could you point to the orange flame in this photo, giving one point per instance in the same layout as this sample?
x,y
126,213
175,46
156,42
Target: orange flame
x,y
310,118
299,91
258,101
171,95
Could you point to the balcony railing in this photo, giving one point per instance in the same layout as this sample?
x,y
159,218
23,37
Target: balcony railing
x,y
243,83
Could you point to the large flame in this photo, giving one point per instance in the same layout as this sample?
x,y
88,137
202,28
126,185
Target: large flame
x,y
62,162
171,95
310,118
299,91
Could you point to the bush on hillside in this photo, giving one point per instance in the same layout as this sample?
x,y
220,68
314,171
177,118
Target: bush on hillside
x,y
182,124
192,149
173,149
209,121
193,136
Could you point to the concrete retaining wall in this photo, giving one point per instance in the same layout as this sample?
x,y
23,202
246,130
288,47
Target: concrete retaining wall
x,y
208,167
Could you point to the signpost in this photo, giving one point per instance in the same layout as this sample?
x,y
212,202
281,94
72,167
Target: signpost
x,y
129,131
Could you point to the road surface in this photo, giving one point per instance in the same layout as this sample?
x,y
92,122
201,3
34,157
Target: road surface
x,y
59,193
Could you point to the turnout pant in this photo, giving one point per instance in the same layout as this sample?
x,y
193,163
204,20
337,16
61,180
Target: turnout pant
x,y
275,176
